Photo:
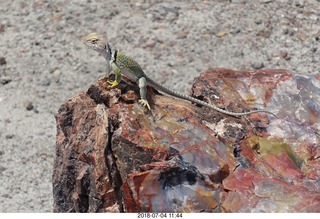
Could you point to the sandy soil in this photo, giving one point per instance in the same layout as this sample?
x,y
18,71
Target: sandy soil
x,y
43,63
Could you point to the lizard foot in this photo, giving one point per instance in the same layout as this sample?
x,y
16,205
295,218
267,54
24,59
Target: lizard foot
x,y
144,103
112,84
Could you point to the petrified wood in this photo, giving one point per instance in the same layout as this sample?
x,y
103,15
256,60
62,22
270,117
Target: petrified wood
x,y
112,155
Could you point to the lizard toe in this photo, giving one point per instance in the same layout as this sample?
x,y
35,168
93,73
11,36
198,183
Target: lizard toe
x,y
144,103
112,84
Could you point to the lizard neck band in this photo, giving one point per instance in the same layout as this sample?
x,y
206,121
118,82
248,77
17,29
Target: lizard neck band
x,y
115,55
109,49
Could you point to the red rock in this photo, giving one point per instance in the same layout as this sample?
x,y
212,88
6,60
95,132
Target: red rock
x,y
112,155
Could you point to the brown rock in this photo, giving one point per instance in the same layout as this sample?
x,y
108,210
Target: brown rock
x,y
285,55
29,106
112,155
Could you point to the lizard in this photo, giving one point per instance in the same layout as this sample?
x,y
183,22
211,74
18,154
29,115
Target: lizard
x,y
122,64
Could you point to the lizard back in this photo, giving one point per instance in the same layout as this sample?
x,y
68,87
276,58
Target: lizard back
x,y
127,64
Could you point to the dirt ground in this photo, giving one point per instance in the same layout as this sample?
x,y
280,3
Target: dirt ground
x,y
43,63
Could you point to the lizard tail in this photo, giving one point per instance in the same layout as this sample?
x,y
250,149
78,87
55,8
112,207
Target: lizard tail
x,y
160,87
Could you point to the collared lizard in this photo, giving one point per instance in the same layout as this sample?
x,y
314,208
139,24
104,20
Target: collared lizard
x,y
124,65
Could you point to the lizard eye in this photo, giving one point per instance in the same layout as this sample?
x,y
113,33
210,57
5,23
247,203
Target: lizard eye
x,y
94,41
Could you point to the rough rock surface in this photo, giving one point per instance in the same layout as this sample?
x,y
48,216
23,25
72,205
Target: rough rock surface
x,y
114,156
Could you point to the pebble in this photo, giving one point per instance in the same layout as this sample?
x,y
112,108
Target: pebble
x,y
285,55
288,32
29,106
257,65
267,1
3,61
179,53
258,21
221,34
35,110
56,72
9,136
265,33
238,53
302,35
46,82
4,81
235,31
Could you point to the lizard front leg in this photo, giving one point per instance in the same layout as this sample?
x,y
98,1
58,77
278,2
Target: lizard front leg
x,y
143,92
118,78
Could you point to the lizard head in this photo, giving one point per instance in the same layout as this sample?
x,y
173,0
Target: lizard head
x,y
98,43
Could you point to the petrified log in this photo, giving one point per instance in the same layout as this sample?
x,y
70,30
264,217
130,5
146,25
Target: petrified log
x,y
112,155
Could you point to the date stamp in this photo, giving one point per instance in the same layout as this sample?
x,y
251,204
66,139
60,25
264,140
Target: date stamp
x,y
160,215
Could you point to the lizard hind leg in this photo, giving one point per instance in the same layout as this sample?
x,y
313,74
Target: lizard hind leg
x,y
143,92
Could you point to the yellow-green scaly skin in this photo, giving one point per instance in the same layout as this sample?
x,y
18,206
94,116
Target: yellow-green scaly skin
x,y
125,62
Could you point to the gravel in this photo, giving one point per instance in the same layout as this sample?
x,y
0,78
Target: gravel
x,y
43,63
